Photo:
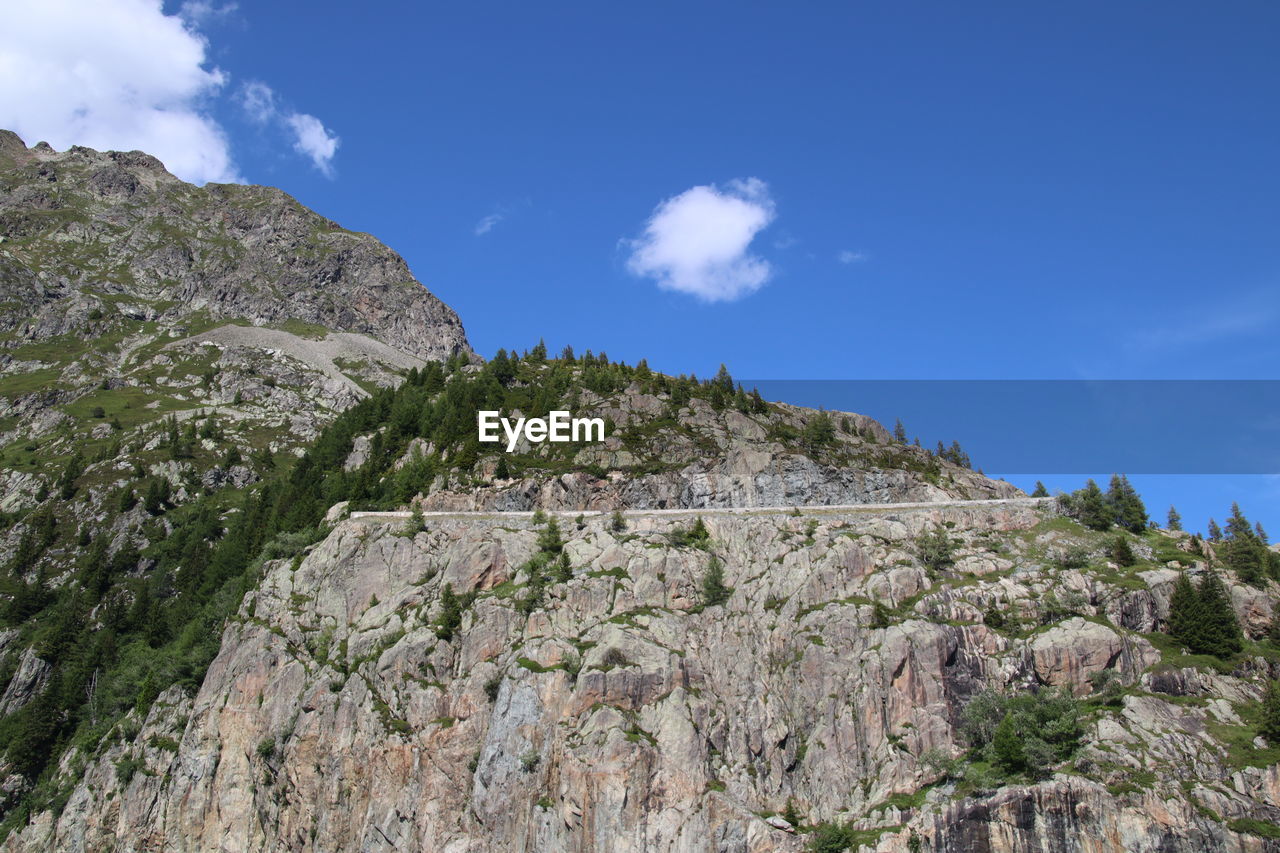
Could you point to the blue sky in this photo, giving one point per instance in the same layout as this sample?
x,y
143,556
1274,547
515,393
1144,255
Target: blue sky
x,y
893,190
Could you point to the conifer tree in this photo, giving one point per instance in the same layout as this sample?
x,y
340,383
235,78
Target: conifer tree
x,y
899,432
1203,620
1243,553
958,456
1215,532
1121,553
564,571
550,540
450,613
714,590
1269,725
1127,508
1006,746
1095,514
1260,533
1184,610
723,380
1224,631
1175,520
1040,491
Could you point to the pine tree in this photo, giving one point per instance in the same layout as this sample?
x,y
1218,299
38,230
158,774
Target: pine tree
x,y
1006,746
899,432
1175,520
1260,533
1040,491
564,571
1243,553
1127,508
502,471
1121,553
714,590
790,813
1220,633
617,524
1094,512
549,540
1269,725
415,523
450,613
723,380
1184,610
1215,532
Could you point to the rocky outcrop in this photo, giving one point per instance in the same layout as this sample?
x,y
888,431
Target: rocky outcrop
x,y
621,713
663,455
113,232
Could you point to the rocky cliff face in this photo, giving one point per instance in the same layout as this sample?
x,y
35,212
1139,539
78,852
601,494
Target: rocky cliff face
x,y
663,454
114,232
617,710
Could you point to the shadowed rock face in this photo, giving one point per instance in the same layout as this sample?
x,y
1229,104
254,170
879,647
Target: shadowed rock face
x,y
83,228
620,715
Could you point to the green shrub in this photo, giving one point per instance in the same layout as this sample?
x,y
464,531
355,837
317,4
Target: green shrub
x,y
1121,553
694,536
1024,733
1072,557
935,549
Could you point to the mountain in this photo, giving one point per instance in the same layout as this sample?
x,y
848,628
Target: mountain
x,y
279,596
151,330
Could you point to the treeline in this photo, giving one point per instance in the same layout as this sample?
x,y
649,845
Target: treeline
x,y
1120,506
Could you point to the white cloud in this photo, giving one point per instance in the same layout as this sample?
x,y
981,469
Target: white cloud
x,y
850,257
259,101
309,135
312,138
697,242
112,74
485,225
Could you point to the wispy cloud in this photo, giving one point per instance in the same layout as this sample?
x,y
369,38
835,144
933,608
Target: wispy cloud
x,y
307,133
485,225
850,257
258,101
197,13
1240,315
698,241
